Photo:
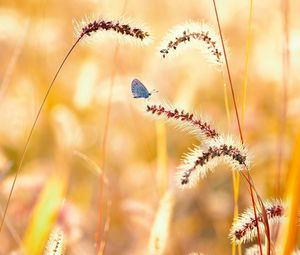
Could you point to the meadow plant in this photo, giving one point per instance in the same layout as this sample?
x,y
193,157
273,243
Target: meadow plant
x,y
198,162
160,228
91,29
244,229
216,148
56,243
183,120
194,35
254,250
86,29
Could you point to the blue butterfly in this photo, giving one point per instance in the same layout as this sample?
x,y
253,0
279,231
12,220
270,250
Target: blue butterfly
x,y
139,90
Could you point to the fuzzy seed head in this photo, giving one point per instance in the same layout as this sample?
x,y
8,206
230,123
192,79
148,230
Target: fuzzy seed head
x,y
244,229
236,155
56,243
199,162
91,29
194,35
183,120
254,250
160,229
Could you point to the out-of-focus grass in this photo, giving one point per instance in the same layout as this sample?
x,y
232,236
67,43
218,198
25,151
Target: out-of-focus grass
x,y
289,232
44,215
76,111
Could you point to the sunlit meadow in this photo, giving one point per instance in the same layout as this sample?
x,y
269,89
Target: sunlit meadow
x,y
176,173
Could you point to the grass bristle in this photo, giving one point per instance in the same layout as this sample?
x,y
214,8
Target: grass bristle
x,y
160,228
244,228
56,243
183,120
199,162
194,35
93,29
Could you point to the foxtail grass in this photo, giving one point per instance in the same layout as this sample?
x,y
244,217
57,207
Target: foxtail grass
x,y
198,162
85,30
248,176
56,243
215,148
45,214
121,29
185,121
244,229
101,243
183,37
160,228
194,35
254,250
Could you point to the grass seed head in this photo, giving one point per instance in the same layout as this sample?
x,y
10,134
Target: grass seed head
x,y
194,35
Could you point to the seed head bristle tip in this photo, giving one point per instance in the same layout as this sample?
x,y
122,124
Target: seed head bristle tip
x,y
194,35
91,28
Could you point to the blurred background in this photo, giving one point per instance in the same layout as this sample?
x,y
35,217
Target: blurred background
x,y
92,125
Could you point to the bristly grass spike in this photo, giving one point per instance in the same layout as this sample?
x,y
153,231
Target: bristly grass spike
x,y
84,30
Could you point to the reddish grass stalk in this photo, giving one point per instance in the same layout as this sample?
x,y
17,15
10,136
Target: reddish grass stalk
x,y
239,125
229,76
244,230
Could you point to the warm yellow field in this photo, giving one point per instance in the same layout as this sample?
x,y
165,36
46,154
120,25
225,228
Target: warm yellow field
x,y
102,172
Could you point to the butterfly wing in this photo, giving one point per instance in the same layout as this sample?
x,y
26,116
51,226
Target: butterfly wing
x,y
139,90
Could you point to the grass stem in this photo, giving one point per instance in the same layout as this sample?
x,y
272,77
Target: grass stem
x,y
238,121
20,164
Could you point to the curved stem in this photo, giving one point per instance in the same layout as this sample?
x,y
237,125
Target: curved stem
x,y
229,75
20,164
239,124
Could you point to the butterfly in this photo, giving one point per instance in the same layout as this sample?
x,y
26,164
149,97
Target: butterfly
x,y
139,90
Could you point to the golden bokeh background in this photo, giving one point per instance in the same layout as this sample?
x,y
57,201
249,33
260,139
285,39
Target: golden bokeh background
x,y
91,118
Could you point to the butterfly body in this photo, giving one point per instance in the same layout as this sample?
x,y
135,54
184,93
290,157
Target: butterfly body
x,y
139,90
